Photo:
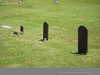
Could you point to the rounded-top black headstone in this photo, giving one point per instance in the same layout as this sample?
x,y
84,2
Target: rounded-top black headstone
x,y
45,31
82,40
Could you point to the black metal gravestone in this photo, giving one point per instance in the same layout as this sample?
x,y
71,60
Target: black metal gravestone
x,y
82,40
45,31
21,29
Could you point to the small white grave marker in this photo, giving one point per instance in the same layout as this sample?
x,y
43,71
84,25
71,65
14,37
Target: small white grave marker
x,y
6,26
56,1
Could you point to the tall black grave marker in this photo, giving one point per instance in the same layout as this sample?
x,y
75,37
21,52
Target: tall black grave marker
x,y
45,31
82,40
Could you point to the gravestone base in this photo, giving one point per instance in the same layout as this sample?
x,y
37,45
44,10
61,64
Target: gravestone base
x,y
79,53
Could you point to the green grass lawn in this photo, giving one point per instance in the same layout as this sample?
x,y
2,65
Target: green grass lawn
x,y
26,51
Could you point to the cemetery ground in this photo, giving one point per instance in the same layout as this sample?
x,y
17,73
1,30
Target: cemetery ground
x,y
64,18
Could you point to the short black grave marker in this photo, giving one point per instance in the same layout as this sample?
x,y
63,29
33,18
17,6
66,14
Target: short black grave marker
x,y
21,29
45,31
82,40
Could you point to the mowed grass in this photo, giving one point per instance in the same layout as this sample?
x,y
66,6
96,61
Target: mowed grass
x,y
26,51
